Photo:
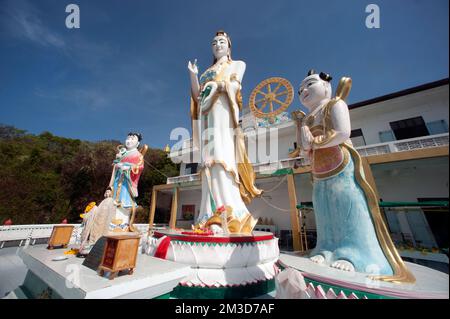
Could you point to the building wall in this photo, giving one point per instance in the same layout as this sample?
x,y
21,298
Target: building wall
x,y
432,105
261,150
188,197
408,181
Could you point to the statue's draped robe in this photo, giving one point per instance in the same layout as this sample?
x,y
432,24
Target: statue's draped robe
x,y
88,222
126,181
230,179
102,219
348,219
124,193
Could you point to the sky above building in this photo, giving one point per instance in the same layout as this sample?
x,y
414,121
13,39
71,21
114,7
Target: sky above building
x,y
125,68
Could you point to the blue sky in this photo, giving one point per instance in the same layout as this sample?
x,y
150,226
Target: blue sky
x,y
126,67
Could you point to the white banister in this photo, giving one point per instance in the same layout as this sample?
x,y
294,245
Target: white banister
x,y
31,233
367,150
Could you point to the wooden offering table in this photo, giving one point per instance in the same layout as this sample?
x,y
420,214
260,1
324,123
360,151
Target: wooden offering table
x,y
60,236
120,253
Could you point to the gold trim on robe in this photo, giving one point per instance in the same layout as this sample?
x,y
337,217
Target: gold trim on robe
x,y
247,176
401,272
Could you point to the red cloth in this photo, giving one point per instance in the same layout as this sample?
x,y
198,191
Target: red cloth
x,y
163,247
136,159
8,222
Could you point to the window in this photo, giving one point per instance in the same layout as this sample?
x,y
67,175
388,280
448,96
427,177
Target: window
x,y
409,128
386,136
357,138
437,127
191,168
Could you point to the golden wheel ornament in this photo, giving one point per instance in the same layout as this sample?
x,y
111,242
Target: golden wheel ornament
x,y
271,97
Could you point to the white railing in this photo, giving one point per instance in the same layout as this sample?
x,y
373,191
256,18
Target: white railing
x,y
404,145
260,168
183,179
368,150
371,150
267,168
29,234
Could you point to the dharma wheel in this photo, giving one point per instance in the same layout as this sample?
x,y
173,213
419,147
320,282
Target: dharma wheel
x,y
271,97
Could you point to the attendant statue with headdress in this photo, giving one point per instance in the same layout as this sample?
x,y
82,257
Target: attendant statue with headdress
x,y
351,234
226,172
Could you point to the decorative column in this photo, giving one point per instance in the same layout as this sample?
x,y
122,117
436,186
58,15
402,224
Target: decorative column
x,y
152,210
293,212
173,209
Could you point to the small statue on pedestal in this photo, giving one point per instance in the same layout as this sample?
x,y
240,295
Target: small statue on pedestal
x,y
116,212
127,169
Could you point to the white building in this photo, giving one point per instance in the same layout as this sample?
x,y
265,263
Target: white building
x,y
403,138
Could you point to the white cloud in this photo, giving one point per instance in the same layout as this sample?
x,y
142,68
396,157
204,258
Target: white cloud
x,y
22,20
92,97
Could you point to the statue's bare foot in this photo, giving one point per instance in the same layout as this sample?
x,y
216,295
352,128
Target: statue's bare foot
x,y
318,259
343,265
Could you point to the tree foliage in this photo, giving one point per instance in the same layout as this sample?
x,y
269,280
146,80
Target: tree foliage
x,y
46,178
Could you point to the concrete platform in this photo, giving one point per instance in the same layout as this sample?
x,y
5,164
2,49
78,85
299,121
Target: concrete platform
x,y
69,279
12,270
430,283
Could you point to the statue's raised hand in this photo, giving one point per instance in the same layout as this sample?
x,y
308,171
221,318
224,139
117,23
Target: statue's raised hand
x,y
192,67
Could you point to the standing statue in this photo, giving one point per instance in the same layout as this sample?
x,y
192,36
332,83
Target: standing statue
x,y
226,172
351,234
127,169
116,212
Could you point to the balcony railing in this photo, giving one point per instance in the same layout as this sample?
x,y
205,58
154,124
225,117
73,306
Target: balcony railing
x,y
404,145
368,150
183,179
29,234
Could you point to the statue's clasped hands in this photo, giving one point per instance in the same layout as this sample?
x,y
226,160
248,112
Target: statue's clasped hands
x,y
206,96
307,138
122,167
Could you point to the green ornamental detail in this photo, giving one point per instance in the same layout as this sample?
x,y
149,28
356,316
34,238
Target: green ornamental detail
x,y
337,290
194,243
347,292
236,292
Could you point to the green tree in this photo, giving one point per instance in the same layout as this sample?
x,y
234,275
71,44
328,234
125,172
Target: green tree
x,y
46,178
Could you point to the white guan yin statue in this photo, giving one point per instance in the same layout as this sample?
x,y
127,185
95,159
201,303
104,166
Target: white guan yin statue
x,y
226,172
351,234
